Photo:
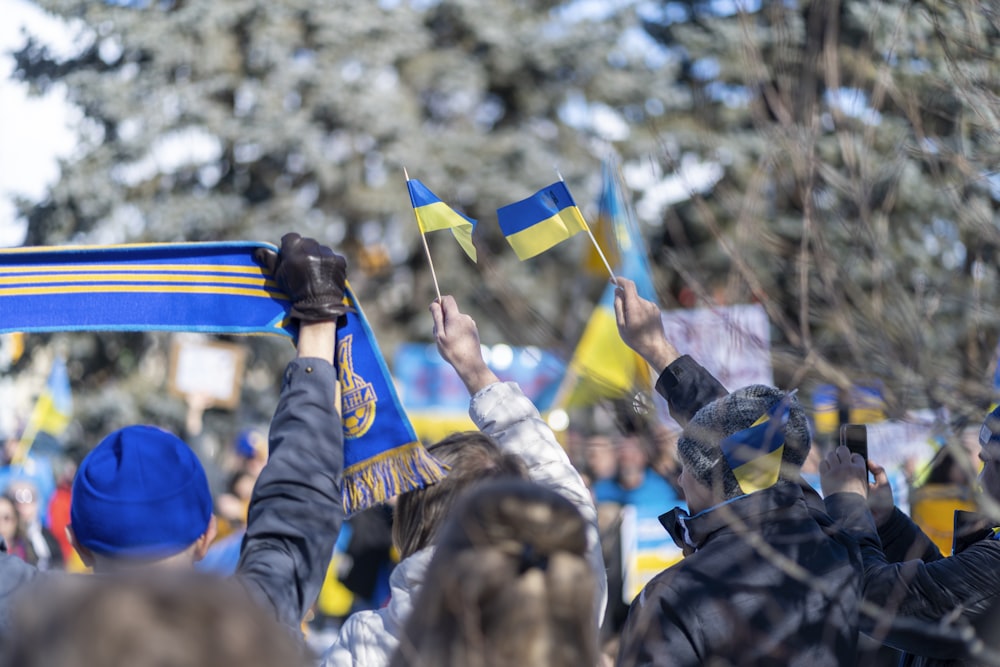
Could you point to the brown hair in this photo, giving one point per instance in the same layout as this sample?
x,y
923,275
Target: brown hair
x,y
471,457
181,619
509,584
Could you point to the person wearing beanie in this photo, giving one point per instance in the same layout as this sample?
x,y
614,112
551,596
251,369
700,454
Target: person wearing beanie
x,y
940,611
767,578
141,498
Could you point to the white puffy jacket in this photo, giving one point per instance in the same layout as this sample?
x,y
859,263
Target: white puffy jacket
x,y
502,411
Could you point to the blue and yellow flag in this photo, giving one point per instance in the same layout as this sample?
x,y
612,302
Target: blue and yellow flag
x,y
603,366
754,454
218,288
546,218
53,410
433,215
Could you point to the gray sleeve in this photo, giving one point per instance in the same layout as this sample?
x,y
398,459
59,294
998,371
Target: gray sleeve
x,y
296,509
15,575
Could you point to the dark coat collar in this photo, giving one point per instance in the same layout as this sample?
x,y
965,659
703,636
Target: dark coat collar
x,y
740,514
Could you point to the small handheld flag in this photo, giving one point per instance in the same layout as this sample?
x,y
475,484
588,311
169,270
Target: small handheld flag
x,y
433,215
754,454
543,220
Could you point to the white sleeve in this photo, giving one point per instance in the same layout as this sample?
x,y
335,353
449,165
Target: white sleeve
x,y
503,412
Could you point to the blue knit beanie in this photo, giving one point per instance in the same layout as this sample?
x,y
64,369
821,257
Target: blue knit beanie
x,y
141,493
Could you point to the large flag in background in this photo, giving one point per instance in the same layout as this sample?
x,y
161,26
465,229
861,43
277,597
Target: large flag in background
x,y
53,410
546,218
609,209
433,215
603,366
220,288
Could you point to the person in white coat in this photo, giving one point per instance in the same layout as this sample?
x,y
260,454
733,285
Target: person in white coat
x,y
513,441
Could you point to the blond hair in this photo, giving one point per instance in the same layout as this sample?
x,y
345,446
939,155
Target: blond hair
x,y
508,585
471,457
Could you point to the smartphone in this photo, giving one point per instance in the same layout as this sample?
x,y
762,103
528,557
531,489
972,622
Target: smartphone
x,y
855,438
970,527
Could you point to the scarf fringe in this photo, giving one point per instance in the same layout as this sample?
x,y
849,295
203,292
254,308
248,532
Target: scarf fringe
x,y
377,479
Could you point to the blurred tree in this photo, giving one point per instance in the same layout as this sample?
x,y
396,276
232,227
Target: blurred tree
x,y
860,199
247,119
858,141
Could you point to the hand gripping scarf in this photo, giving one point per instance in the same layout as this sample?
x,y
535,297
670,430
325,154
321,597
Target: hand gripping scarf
x,y
218,288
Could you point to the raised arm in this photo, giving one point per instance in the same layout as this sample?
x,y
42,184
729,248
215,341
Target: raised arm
x,y
296,512
502,411
685,384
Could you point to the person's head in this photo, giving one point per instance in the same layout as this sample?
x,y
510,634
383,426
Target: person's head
x,y
665,450
599,454
9,526
471,457
181,619
24,493
633,461
509,584
250,447
141,496
707,478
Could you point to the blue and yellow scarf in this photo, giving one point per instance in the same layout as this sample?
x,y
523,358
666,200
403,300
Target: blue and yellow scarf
x,y
218,288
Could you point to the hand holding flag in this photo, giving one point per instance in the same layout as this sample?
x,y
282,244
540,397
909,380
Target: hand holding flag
x,y
640,324
457,339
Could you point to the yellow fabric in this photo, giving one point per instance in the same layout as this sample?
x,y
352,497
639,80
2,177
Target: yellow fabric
x,y
761,472
437,216
603,366
433,426
334,598
932,507
544,234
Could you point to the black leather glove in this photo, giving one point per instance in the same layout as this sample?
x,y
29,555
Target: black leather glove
x,y
312,275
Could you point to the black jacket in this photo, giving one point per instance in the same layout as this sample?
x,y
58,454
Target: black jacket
x,y
688,387
912,581
766,584
768,579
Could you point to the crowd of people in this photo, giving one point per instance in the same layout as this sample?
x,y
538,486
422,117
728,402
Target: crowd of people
x,y
516,556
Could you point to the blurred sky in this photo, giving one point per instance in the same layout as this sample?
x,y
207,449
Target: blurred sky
x,y
34,131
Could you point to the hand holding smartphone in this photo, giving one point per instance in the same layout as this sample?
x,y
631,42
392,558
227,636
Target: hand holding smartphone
x,y
855,438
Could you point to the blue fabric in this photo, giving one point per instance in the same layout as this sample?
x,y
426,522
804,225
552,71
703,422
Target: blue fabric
x,y
250,443
542,205
219,288
650,497
210,287
38,471
223,556
140,493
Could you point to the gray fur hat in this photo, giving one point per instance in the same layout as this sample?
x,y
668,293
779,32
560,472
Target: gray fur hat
x,y
698,446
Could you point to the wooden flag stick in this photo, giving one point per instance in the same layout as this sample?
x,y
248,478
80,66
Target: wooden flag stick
x,y
597,246
427,250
